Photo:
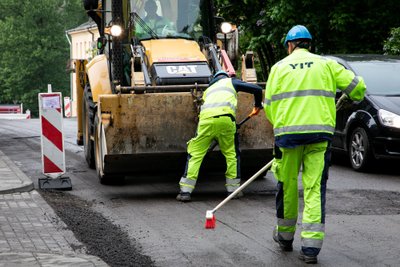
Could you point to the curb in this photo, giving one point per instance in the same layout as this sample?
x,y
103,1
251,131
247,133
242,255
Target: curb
x,y
46,259
22,183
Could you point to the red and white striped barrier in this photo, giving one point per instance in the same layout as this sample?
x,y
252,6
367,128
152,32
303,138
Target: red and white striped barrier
x,y
53,155
13,112
21,116
67,106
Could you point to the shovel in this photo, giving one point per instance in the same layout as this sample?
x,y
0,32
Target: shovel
x,y
215,143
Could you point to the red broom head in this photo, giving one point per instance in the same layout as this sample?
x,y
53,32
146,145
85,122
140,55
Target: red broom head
x,y
210,220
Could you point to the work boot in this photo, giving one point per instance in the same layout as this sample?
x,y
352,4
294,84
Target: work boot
x,y
237,196
183,196
285,245
308,259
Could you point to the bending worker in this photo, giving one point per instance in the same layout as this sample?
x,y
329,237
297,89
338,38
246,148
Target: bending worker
x,y
217,120
300,104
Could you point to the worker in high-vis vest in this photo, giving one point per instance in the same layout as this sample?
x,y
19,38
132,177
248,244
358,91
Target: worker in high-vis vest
x,y
300,104
217,121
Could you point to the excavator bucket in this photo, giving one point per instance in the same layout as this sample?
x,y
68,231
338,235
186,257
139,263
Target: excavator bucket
x,y
150,131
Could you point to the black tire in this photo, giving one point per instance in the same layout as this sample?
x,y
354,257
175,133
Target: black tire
x,y
88,110
104,178
359,148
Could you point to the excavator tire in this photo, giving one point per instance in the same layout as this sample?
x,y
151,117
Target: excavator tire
x,y
104,178
88,110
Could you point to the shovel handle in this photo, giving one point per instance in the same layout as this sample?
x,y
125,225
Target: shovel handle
x,y
253,112
214,143
243,121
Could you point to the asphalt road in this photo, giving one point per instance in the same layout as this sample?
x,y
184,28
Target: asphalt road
x,y
142,216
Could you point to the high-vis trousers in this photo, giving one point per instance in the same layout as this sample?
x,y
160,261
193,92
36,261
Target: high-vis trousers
x,y
315,160
222,129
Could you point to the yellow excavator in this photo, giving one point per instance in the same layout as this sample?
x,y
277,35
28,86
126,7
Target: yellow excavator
x,y
139,97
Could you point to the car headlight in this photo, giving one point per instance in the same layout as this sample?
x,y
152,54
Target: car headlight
x,y
389,119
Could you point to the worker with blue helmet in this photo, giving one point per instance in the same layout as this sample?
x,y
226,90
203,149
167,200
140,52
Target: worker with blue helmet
x,y
217,121
298,33
300,105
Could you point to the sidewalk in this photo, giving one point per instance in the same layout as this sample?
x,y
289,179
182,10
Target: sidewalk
x,y
31,234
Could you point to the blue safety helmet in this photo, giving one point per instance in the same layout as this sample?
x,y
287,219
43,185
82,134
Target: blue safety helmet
x,y
297,32
220,72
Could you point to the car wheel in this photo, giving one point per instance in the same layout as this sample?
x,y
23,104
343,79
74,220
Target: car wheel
x,y
360,150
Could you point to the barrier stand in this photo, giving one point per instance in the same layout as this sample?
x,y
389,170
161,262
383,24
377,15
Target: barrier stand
x,y
67,107
52,140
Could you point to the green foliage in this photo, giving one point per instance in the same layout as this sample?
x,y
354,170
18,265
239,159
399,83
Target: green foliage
x,y
346,26
392,44
35,50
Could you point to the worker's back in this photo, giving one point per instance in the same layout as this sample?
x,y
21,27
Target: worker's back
x,y
302,92
220,98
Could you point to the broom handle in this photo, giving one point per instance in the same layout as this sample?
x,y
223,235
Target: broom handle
x,y
240,188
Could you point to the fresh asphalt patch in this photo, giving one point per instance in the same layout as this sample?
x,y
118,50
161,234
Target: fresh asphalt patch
x,y
363,202
101,237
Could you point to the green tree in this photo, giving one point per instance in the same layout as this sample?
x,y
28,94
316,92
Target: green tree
x,y
392,44
345,26
35,50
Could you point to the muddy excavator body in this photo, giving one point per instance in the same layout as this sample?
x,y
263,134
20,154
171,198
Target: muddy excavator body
x,y
140,96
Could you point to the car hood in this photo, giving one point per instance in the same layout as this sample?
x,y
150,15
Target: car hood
x,y
389,103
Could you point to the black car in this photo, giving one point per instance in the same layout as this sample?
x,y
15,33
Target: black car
x,y
370,129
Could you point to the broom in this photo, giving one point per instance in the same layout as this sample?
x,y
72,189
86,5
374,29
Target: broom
x,y
210,216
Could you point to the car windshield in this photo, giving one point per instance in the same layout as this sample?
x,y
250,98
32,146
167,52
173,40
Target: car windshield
x,y
381,78
169,18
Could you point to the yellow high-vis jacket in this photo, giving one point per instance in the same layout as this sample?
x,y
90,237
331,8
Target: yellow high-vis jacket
x,y
220,98
300,93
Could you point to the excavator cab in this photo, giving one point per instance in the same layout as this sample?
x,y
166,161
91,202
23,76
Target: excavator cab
x,y
172,19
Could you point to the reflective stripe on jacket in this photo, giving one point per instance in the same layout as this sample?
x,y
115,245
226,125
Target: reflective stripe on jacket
x,y
220,98
300,93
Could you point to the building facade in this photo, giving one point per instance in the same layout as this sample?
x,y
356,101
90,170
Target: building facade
x,y
82,41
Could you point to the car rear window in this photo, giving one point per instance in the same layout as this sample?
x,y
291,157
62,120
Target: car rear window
x,y
381,78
